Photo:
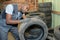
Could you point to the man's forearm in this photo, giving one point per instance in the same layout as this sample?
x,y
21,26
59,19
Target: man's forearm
x,y
13,21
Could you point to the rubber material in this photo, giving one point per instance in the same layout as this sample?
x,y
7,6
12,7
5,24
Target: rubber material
x,y
57,32
47,4
32,28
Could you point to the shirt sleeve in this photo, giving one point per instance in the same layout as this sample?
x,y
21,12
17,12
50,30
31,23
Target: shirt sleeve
x,y
9,9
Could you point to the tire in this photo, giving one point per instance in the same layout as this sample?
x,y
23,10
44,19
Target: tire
x,y
38,15
57,32
47,4
49,38
33,30
45,9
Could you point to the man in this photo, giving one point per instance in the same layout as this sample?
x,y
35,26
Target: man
x,y
10,18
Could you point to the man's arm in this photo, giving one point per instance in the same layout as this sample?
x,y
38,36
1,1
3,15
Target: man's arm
x,y
10,21
9,12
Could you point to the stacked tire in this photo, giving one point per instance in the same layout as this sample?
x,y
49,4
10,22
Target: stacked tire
x,y
49,38
38,15
47,9
57,32
35,29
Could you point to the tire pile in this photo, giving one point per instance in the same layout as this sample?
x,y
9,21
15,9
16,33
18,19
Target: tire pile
x,y
47,9
43,14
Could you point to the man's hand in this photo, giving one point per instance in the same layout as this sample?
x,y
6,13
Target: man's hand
x,y
24,16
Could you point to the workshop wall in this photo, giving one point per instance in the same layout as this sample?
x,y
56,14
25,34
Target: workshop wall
x,y
56,15
39,1
32,3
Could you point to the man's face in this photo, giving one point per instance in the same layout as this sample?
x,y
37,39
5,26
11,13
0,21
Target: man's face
x,y
25,8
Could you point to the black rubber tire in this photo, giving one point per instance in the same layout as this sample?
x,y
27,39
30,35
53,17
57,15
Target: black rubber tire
x,y
38,15
33,21
47,4
49,38
57,32
45,9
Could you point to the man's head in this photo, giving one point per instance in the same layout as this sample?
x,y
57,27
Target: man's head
x,y
23,7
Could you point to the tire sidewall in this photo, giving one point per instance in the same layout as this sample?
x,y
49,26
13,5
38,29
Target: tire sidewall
x,y
25,25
